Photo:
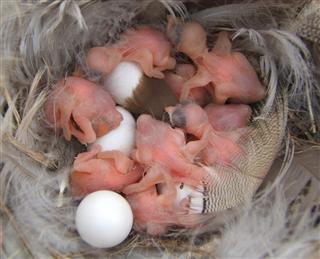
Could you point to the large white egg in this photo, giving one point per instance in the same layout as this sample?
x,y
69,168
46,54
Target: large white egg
x,y
104,219
121,138
123,80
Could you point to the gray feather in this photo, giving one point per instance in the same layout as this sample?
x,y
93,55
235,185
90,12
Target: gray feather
x,y
229,186
307,23
282,221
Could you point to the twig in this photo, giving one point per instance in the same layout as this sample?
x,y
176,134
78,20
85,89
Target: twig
x,y
37,156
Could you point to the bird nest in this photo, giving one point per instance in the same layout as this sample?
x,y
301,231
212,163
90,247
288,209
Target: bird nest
x,y
43,41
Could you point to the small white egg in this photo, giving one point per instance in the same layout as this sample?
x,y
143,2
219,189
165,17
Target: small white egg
x,y
123,80
121,138
195,194
104,219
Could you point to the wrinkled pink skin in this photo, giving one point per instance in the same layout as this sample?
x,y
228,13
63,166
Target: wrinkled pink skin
x,y
150,214
155,210
161,149
230,74
159,144
228,117
145,46
81,109
109,170
184,72
215,147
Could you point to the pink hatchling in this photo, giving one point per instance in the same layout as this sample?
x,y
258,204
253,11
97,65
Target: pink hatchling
x,y
154,203
81,109
219,147
146,46
231,76
183,72
108,170
228,117
159,144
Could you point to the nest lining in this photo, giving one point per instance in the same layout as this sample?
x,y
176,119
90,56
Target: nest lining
x,y
37,161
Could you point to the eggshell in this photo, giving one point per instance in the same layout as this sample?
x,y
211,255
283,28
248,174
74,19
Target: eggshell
x,y
104,219
121,138
195,195
122,81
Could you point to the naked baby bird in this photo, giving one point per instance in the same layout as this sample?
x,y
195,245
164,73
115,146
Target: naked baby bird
x,y
81,109
183,72
154,204
146,46
215,147
228,117
161,150
147,215
159,144
230,75
153,210
109,170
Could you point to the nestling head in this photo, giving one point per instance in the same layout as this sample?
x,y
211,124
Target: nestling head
x,y
189,38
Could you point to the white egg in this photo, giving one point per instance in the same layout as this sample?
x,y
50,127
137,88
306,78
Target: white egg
x,y
121,138
122,81
104,219
195,195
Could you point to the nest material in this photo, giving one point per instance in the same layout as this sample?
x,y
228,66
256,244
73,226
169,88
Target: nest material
x,y
50,39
